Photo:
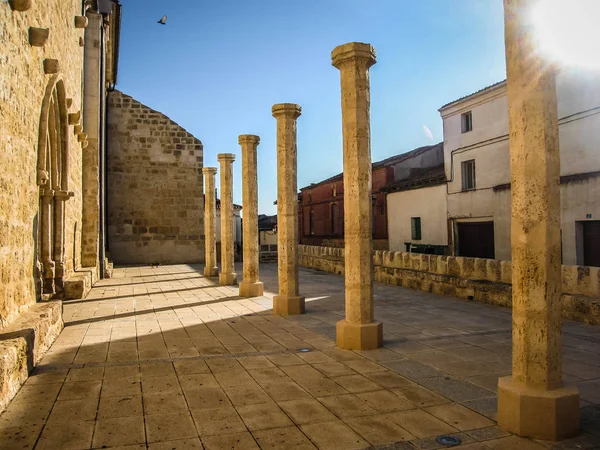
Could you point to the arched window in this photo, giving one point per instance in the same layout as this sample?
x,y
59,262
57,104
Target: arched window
x,y
335,219
53,182
311,222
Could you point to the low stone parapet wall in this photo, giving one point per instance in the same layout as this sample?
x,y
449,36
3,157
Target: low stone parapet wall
x,y
24,342
483,280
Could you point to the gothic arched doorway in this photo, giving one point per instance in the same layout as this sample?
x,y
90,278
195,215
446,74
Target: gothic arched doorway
x,y
53,182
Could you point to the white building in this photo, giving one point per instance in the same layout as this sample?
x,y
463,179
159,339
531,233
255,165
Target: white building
x,y
477,167
416,202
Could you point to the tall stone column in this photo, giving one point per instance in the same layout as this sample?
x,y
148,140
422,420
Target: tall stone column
x,y
358,331
227,277
533,401
210,214
250,285
289,300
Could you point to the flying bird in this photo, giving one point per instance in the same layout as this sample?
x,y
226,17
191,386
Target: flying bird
x,y
163,20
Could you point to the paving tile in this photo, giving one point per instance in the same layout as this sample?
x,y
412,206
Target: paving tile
x,y
356,383
197,380
388,379
345,406
120,406
263,416
512,443
485,434
286,360
223,364
333,369
157,370
413,369
165,403
248,394
118,372
304,411
74,410
191,366
206,398
486,406
161,385
112,432
49,377
166,427
385,401
217,421
20,438
86,374
459,417
39,393
255,362
270,374
283,439
333,436
363,366
75,390
25,415
419,395
66,436
379,430
287,390
420,423
457,390
235,441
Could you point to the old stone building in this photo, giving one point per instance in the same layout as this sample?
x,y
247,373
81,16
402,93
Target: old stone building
x,y
155,198
89,174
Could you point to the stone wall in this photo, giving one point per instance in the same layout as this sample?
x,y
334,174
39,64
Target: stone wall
x,y
154,186
23,84
483,280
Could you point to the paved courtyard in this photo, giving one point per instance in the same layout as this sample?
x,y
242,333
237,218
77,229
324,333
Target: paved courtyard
x,y
161,358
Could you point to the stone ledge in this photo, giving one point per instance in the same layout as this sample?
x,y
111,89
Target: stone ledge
x,y
24,342
80,283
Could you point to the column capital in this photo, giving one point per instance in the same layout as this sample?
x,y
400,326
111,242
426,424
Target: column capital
x,y
226,157
353,51
248,138
209,170
286,109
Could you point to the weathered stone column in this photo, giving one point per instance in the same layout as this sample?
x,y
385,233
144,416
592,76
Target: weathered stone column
x,y
250,285
358,331
227,277
288,301
210,214
534,402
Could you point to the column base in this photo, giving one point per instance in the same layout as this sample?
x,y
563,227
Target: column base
x,y
211,272
227,279
288,306
249,289
551,415
359,336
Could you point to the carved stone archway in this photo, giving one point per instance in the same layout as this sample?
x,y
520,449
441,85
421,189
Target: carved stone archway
x,y
53,182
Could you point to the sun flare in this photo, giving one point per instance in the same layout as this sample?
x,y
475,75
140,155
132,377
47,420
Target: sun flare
x,y
568,31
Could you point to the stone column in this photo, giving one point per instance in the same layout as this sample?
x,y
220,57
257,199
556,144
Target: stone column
x,y
533,401
227,277
358,331
93,96
250,285
210,214
288,301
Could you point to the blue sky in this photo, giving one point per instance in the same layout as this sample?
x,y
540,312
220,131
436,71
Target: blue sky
x,y
218,66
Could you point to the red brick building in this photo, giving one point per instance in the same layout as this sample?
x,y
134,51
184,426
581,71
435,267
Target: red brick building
x,y
321,205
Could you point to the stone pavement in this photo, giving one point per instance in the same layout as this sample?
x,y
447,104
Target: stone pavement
x,y
162,358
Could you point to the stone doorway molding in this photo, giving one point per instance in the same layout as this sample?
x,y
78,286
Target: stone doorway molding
x,y
53,183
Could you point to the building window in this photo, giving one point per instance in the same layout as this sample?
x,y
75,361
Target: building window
x,y
309,197
466,121
335,217
415,223
311,222
334,191
468,175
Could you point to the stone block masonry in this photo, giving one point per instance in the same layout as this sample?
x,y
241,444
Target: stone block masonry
x,y
482,280
155,204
